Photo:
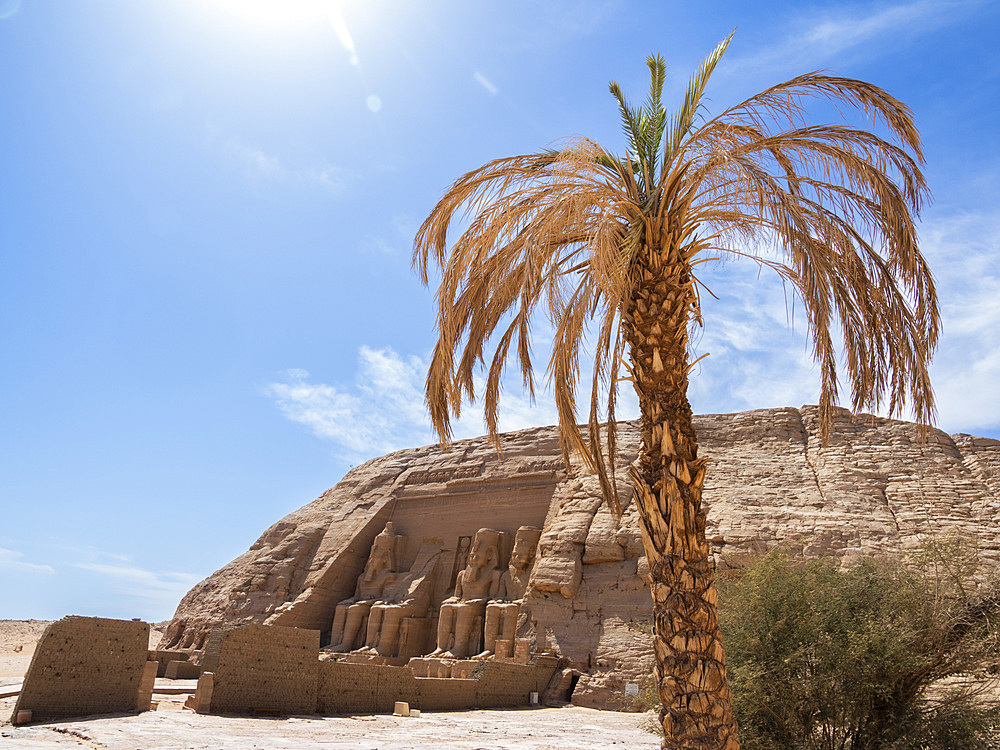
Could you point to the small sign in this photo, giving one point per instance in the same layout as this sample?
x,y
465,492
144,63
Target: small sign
x,y
631,688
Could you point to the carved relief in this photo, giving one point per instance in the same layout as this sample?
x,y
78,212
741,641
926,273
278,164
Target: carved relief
x,y
461,559
502,613
460,623
351,614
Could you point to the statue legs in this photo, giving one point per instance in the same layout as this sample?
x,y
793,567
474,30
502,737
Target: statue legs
x,y
468,628
446,626
383,627
388,638
337,630
347,621
459,628
501,624
374,626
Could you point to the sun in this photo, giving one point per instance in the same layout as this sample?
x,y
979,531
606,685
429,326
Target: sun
x,y
271,12
275,14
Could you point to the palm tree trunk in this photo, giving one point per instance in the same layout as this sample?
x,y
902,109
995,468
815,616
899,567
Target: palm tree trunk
x,y
690,661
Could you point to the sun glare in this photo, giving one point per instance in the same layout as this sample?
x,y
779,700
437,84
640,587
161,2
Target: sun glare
x,y
275,13
292,16
279,11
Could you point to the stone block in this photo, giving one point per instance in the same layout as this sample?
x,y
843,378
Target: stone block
x,y
522,650
182,670
148,681
504,650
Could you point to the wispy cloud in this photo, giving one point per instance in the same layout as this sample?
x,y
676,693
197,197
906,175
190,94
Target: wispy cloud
x,y
10,560
757,354
756,361
259,165
964,252
160,589
395,240
816,39
756,358
383,410
551,24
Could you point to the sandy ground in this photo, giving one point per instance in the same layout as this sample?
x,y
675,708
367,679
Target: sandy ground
x,y
570,727
172,727
17,644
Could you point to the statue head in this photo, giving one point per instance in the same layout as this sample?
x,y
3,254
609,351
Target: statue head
x,y
382,558
484,553
525,542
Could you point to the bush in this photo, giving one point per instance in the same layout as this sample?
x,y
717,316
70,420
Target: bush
x,y
824,657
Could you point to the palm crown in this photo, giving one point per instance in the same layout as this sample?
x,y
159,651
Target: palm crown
x,y
564,226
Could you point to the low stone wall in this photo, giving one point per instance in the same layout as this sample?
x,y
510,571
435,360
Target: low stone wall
x,y
265,667
346,688
501,684
86,665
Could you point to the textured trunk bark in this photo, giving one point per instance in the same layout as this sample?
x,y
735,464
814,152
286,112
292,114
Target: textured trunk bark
x,y
690,661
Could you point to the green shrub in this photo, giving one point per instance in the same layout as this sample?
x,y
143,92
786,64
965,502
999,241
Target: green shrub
x,y
824,657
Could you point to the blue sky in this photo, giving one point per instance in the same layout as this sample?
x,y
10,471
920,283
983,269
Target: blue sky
x,y
206,213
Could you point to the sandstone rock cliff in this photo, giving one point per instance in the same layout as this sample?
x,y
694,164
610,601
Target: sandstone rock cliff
x,y
878,486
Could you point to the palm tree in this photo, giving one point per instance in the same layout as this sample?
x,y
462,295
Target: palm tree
x,y
609,246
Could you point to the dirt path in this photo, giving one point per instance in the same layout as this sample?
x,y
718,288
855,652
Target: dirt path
x,y
534,729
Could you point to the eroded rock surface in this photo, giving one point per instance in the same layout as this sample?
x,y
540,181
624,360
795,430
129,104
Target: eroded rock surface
x,y
878,486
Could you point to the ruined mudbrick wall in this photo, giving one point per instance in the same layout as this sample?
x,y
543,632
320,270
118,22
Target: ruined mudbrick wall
x,y
363,688
85,665
260,667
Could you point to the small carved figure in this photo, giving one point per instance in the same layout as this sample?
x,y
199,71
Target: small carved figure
x,y
379,573
461,559
461,615
501,613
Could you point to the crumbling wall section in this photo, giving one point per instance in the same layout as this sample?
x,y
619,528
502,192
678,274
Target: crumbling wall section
x,y
266,667
83,666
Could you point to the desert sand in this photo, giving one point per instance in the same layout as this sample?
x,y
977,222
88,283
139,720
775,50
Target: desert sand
x,y
171,727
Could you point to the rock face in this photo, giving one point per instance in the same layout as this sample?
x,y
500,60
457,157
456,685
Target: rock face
x,y
879,486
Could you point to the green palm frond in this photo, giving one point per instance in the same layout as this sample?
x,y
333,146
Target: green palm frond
x,y
632,122
683,119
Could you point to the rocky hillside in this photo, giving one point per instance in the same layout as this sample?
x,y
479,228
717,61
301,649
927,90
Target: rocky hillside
x,y
878,486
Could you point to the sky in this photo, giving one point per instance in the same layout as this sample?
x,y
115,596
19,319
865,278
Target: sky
x,y
207,209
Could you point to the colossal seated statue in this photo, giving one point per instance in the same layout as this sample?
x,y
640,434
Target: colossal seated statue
x,y
461,615
502,612
350,615
396,619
